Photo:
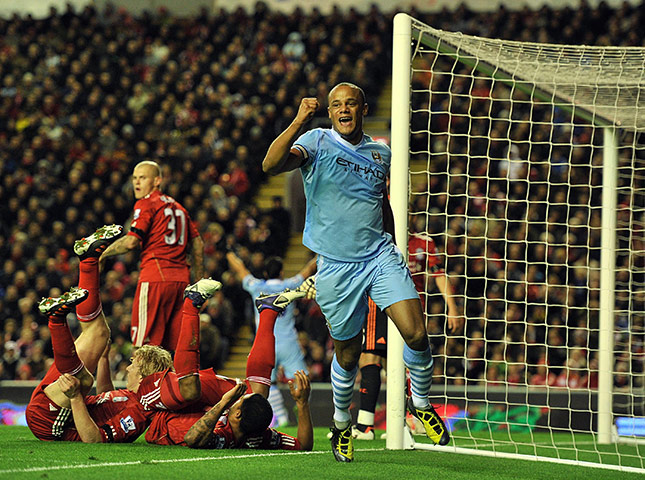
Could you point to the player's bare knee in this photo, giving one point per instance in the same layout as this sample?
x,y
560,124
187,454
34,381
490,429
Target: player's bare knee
x,y
417,340
98,329
86,379
348,358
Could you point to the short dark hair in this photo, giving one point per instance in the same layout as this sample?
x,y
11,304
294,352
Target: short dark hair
x,y
272,267
256,415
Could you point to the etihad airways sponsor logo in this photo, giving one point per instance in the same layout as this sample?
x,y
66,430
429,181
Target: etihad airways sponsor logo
x,y
360,169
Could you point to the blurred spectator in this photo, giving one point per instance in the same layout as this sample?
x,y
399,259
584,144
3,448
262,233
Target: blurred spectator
x,y
294,49
10,359
210,343
280,224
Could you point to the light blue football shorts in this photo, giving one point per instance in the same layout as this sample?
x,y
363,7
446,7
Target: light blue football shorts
x,y
342,289
290,357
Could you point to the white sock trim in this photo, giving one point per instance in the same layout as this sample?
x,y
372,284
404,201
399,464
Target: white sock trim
x,y
365,418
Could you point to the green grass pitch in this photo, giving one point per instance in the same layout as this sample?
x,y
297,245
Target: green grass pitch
x,y
22,457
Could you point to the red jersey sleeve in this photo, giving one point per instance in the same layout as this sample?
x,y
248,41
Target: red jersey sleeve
x,y
118,415
422,255
126,426
270,439
274,440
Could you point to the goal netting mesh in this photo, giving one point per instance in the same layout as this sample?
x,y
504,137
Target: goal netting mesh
x,y
526,168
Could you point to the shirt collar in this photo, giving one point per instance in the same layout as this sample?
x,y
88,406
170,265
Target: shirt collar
x,y
338,137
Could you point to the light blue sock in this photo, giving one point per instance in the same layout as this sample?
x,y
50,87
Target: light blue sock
x,y
342,385
419,364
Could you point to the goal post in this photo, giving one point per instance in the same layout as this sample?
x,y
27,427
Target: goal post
x,y
399,139
525,163
607,287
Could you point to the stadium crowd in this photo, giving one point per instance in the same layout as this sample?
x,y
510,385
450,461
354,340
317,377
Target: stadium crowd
x,y
86,95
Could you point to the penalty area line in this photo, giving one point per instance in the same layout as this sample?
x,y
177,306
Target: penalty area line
x,y
169,460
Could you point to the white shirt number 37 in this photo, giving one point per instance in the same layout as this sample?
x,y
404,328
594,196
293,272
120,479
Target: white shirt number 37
x,y
176,226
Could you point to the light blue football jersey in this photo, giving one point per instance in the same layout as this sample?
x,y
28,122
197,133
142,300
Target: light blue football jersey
x,y
344,187
285,330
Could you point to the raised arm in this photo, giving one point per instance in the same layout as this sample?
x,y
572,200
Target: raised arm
x,y
197,253
237,265
280,157
300,389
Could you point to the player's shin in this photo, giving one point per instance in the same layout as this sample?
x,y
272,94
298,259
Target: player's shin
x,y
88,278
342,382
187,353
262,356
369,391
65,356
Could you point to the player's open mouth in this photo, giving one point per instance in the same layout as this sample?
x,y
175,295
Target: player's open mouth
x,y
345,120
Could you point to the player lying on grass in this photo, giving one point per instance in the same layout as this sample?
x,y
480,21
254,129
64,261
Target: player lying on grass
x,y
49,410
157,391
246,424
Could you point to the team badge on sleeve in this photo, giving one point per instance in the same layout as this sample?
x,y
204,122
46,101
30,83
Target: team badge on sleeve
x,y
127,424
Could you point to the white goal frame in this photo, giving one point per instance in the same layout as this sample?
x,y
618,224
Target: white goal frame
x,y
398,435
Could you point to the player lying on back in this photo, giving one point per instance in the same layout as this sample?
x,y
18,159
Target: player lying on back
x,y
241,417
52,406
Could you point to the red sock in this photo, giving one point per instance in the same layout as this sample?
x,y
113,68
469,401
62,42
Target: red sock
x,y
262,356
187,349
65,356
88,278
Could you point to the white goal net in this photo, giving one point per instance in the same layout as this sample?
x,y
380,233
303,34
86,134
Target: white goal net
x,y
525,163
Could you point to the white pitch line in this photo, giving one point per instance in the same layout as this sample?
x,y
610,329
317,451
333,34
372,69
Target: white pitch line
x,y
168,460
488,444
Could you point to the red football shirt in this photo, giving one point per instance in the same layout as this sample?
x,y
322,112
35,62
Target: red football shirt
x,y
160,391
169,428
422,257
118,414
165,230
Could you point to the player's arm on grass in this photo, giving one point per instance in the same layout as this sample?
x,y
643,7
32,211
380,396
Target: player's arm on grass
x,y
280,156
300,389
200,434
85,425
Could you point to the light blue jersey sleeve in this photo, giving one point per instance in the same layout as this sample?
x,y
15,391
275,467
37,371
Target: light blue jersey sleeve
x,y
344,185
253,286
307,144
